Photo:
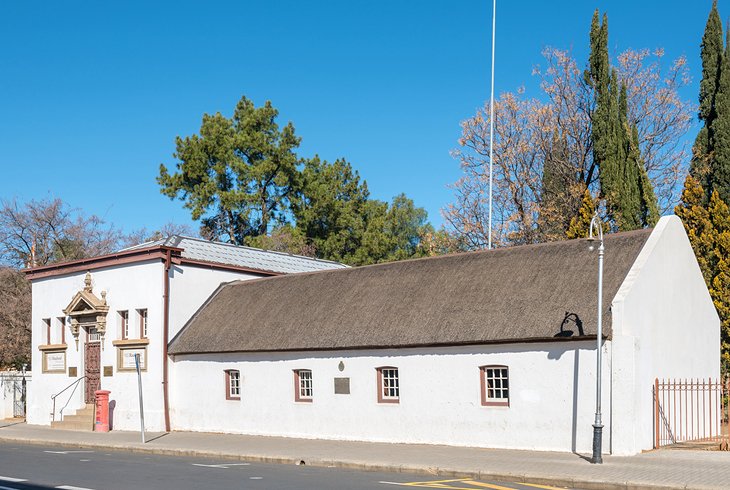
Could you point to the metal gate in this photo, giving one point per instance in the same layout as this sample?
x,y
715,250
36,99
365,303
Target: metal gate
x,y
690,410
19,397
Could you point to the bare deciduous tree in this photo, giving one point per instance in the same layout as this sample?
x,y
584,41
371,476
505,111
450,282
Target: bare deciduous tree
x,y
557,129
14,318
41,232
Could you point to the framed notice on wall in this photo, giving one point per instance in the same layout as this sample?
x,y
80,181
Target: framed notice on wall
x,y
54,362
125,361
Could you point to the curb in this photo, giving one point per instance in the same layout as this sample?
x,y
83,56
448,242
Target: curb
x,y
583,484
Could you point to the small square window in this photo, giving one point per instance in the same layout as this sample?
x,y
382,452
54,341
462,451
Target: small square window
x,y
494,386
388,385
303,388
233,384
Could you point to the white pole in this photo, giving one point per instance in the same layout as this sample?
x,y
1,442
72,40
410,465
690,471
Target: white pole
x,y
491,122
139,385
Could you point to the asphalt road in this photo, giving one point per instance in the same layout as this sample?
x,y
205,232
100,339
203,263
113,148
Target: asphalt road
x,y
26,467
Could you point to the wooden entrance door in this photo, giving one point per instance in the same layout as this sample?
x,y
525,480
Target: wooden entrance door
x,y
92,357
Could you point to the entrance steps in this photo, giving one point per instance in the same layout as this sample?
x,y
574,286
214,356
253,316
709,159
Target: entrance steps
x,y
83,419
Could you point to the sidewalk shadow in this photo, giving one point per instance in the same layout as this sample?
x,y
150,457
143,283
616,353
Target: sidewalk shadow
x,y
158,436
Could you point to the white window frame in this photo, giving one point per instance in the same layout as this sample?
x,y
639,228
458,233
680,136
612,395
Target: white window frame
x,y
124,323
388,384
233,384
142,314
494,385
303,385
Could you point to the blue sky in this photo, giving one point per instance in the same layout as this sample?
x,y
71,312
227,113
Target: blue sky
x,y
92,94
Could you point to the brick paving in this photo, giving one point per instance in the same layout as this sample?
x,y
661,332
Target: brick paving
x,y
679,468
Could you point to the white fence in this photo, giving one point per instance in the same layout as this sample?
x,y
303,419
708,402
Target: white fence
x,y
14,387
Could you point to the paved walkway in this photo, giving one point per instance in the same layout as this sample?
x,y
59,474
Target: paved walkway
x,y
652,470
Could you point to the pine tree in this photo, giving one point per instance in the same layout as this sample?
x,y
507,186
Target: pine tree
x,y
711,54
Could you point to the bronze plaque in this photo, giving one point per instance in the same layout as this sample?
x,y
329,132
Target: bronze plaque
x,y
342,386
108,370
72,372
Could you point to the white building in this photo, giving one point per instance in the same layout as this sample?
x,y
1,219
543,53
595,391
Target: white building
x,y
487,349
91,316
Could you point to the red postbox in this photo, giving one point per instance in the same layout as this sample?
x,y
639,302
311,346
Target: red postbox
x,y
102,411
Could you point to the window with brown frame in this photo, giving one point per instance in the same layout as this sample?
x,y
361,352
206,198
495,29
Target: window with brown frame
x,y
494,386
47,324
124,323
233,384
303,387
142,313
61,320
388,384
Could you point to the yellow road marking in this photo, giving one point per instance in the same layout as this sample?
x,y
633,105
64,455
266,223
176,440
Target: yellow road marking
x,y
488,485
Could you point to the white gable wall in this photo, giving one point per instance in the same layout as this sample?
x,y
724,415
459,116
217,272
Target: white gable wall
x,y
190,287
551,399
664,326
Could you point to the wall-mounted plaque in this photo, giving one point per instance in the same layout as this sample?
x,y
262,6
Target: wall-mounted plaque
x,y
73,372
125,358
108,370
54,362
342,386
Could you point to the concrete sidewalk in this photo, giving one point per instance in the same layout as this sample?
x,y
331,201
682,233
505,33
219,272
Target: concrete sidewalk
x,y
653,470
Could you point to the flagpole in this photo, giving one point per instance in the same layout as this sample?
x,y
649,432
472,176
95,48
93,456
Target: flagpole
x,y
491,123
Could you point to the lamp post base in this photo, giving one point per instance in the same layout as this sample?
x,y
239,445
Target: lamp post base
x,y
597,443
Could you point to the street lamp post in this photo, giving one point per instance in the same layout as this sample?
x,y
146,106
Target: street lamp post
x,y
597,425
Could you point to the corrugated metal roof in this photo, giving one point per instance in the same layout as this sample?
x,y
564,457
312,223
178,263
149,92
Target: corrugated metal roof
x,y
254,258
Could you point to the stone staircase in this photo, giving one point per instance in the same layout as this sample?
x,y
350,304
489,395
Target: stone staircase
x,y
83,419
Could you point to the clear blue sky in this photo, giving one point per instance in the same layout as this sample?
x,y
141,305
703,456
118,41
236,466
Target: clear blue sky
x,y
92,94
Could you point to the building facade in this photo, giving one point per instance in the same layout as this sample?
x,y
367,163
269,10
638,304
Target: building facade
x,y
91,317
488,349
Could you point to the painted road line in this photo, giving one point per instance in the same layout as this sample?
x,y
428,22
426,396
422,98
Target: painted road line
x,y
71,487
8,488
67,452
256,478
545,487
224,466
488,485
432,484
12,480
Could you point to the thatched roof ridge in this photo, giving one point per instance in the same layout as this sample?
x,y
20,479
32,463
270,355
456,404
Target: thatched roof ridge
x,y
517,294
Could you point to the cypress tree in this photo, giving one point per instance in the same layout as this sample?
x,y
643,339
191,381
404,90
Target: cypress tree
x,y
720,158
711,54
624,182
558,201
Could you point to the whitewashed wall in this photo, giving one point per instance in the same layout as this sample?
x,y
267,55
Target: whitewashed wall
x,y
551,402
128,287
8,381
665,326
190,286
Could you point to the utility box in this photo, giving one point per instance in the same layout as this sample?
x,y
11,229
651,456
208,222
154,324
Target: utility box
x,y
102,411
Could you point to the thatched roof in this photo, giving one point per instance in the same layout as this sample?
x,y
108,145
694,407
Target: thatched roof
x,y
512,294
